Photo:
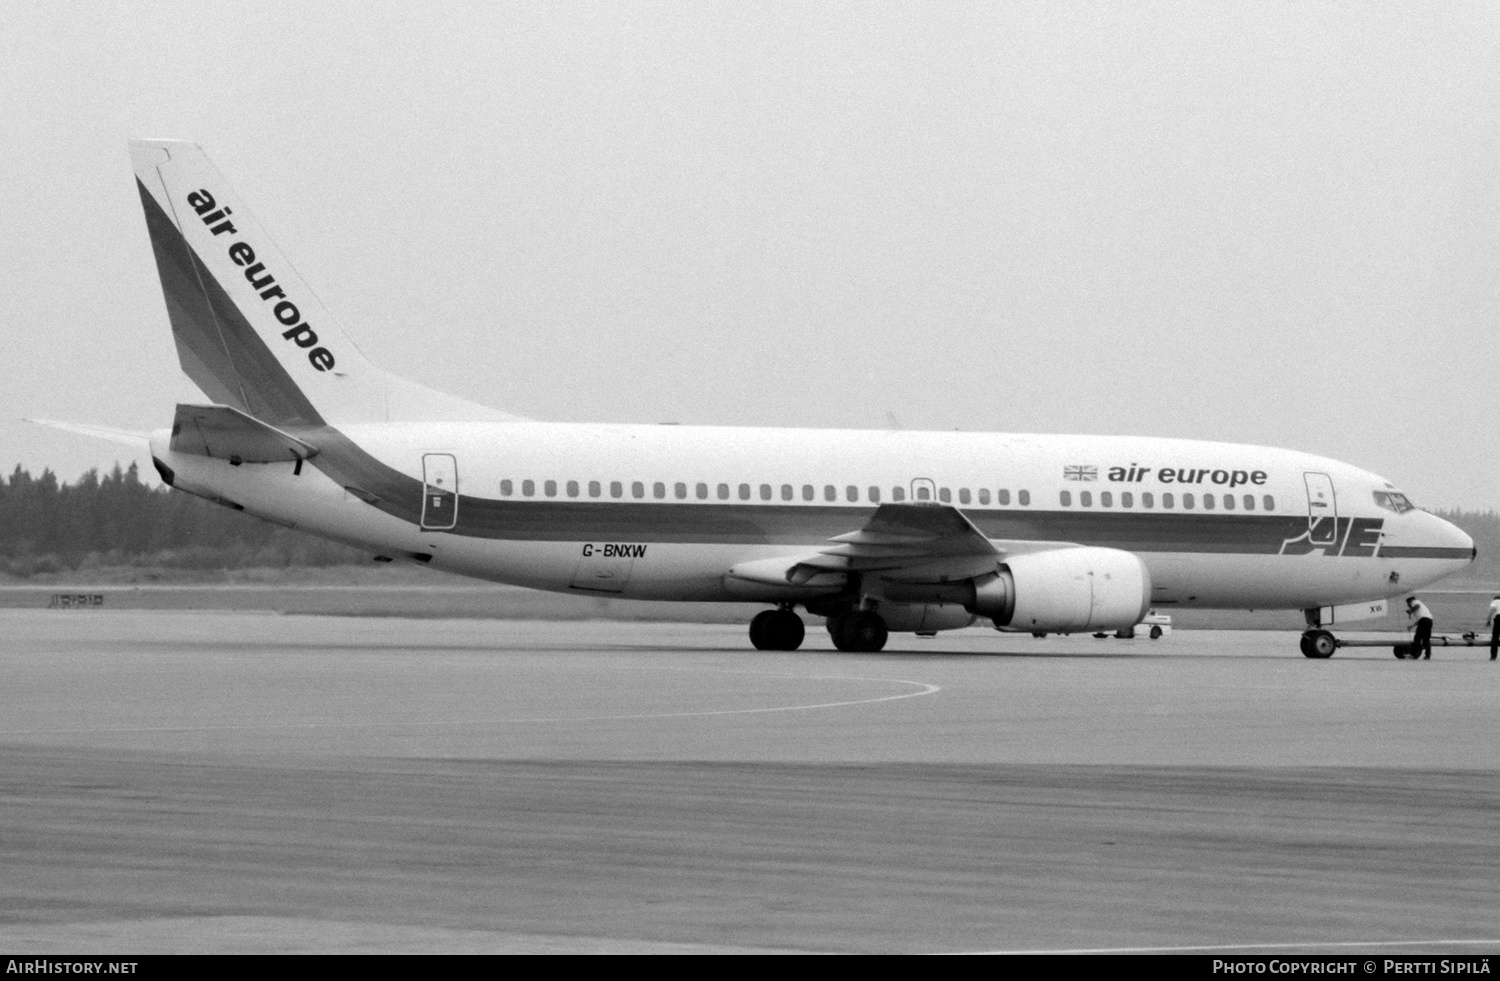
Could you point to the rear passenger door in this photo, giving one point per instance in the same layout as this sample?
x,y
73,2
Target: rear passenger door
x,y
439,491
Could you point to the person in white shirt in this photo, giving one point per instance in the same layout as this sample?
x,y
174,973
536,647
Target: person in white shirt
x,y
1493,621
1421,638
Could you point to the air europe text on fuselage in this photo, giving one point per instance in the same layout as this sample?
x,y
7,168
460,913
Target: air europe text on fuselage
x,y
1135,474
298,332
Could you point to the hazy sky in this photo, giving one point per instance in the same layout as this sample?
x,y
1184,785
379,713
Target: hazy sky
x,y
1262,222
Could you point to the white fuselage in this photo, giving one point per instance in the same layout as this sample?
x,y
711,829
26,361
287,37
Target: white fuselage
x,y
664,512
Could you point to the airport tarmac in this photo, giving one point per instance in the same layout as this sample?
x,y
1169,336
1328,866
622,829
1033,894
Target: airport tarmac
x,y
198,781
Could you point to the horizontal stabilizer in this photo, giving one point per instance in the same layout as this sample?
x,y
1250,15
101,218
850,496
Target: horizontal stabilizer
x,y
129,437
226,433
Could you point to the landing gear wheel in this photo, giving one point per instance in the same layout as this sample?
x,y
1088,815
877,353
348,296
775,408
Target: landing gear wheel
x,y
862,632
758,629
1403,652
1156,633
1318,644
777,630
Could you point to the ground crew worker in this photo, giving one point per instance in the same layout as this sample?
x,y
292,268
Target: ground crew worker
x,y
1493,621
1421,638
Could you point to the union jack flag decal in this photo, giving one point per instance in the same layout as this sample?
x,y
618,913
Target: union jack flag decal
x,y
1080,473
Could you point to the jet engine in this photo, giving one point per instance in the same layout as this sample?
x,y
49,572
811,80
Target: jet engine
x,y
923,617
1065,590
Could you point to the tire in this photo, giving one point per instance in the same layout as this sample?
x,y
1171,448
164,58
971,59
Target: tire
x,y
1319,644
1402,651
864,632
1156,633
761,630
785,631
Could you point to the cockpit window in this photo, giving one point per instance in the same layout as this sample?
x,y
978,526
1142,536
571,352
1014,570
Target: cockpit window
x,y
1394,501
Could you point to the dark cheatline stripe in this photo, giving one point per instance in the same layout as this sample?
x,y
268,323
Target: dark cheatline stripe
x,y
228,360
1423,552
800,525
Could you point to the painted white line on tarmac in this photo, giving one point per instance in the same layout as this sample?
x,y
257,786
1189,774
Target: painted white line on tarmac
x,y
925,689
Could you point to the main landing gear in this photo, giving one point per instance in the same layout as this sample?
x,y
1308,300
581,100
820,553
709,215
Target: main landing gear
x,y
859,631
777,630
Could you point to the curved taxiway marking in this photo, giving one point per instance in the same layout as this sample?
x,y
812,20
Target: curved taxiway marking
x,y
925,689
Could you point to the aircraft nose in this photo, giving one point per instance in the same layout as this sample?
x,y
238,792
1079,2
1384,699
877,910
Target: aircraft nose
x,y
1450,536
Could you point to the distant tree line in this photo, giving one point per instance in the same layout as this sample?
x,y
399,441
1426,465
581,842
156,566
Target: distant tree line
x,y
47,526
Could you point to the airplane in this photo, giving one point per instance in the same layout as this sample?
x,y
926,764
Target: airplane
x,y
876,531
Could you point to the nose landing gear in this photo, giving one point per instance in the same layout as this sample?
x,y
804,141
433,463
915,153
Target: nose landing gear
x,y
1318,644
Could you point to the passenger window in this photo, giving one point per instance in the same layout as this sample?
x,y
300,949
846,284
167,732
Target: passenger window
x,y
830,492
1228,502
1208,502
637,489
765,492
1146,500
851,492
616,489
1269,502
984,495
528,488
506,488
744,492
572,488
963,495
658,490
898,494
1086,499
923,494
1024,497
594,489
807,492
702,492
1187,502
945,495
1066,498
679,491
1003,496
1166,500
1249,502
874,495
550,488
1126,499
1106,499
724,492
786,492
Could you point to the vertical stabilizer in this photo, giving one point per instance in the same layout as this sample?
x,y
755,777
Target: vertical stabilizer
x,y
249,331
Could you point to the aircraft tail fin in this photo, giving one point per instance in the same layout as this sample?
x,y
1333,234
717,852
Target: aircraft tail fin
x,y
250,332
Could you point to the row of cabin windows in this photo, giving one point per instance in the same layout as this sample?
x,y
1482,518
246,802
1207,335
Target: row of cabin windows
x,y
747,492
1127,500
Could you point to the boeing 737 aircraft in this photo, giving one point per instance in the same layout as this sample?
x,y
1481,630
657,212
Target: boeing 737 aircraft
x,y
876,531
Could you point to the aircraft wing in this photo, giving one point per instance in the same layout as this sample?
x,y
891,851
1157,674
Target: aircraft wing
x,y
906,543
905,539
226,433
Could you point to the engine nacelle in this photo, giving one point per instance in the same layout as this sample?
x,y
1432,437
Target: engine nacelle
x,y
1066,590
914,617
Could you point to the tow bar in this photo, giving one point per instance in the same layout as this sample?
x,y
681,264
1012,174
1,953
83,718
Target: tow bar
x,y
1403,648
